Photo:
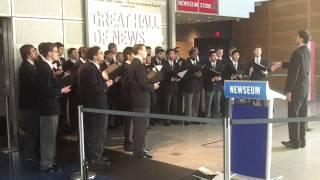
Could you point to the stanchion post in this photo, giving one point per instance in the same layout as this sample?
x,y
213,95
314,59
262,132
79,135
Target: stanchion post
x,y
10,149
226,128
83,165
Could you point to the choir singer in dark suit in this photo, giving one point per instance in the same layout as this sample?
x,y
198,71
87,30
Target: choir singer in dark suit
x,y
49,92
92,93
140,91
169,85
28,95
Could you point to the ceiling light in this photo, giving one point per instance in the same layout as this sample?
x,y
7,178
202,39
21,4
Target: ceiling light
x,y
189,19
209,17
198,20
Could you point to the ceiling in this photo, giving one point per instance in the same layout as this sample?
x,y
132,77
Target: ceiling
x,y
194,18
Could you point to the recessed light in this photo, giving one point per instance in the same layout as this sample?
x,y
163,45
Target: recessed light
x,y
189,19
209,17
198,20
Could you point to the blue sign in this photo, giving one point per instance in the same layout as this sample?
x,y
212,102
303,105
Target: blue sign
x,y
249,142
246,89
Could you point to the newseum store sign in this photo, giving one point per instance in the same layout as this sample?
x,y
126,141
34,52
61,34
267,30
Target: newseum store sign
x,y
125,23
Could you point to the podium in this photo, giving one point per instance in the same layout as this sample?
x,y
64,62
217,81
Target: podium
x,y
250,144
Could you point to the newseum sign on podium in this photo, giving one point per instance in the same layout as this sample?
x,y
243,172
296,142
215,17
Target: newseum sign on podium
x,y
124,22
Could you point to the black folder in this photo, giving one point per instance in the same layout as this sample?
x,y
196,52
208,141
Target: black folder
x,y
65,80
259,67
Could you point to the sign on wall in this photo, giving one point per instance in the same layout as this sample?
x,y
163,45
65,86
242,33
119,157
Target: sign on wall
x,y
198,6
124,22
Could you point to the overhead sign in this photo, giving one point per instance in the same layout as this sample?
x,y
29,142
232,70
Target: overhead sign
x,y
198,6
125,23
246,89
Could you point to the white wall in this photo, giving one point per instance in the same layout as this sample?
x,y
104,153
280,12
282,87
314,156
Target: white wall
x,y
236,8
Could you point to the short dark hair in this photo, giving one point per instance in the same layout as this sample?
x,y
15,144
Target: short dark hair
x,y
48,47
148,47
25,51
92,51
168,51
112,45
231,48
211,52
191,51
40,47
83,52
59,44
305,35
159,50
70,51
176,49
107,52
127,51
220,48
235,51
137,47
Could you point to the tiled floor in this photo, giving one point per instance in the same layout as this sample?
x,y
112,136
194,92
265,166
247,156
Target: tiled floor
x,y
178,150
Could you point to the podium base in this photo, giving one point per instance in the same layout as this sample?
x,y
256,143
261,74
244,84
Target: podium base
x,y
77,176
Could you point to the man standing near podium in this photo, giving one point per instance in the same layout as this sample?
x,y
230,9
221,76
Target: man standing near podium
x,y
297,89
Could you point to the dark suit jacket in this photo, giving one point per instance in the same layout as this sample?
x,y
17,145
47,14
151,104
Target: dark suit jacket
x,y
257,74
298,72
229,65
67,66
191,83
168,86
154,62
48,90
139,87
92,88
104,65
28,85
207,79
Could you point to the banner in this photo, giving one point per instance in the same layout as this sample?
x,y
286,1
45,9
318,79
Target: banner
x,y
125,23
199,6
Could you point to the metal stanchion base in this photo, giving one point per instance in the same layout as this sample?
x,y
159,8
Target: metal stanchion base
x,y
9,151
241,177
77,175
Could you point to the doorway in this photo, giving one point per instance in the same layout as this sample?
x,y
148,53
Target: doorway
x,y
205,44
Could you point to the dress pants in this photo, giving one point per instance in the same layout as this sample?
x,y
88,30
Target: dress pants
x,y
48,135
128,131
95,129
298,107
191,103
212,102
140,125
32,128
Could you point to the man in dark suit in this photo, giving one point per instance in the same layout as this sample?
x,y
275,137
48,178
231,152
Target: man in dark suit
x,y
297,90
156,102
253,71
69,105
179,60
58,71
108,60
92,92
234,69
140,91
213,85
192,84
125,99
28,95
169,85
48,106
